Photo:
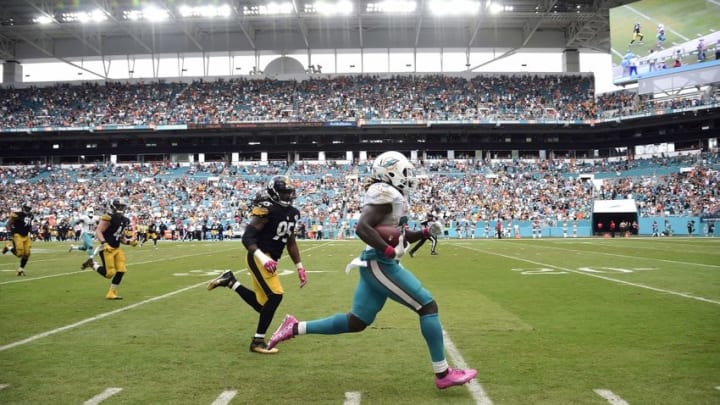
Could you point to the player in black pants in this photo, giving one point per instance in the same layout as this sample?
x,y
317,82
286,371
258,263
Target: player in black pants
x,y
432,238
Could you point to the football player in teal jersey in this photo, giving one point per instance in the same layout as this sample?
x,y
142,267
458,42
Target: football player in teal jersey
x,y
381,275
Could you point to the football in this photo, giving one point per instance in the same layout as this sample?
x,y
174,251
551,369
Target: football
x,y
390,233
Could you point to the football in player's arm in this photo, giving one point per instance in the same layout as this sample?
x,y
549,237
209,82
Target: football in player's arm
x,y
381,275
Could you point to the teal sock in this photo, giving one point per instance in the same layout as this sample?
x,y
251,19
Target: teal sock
x,y
432,332
332,325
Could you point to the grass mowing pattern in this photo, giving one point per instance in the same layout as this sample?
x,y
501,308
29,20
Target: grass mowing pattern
x,y
544,322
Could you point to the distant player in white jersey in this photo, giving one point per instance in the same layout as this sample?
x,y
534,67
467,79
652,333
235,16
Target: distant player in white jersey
x,y
382,277
87,223
660,36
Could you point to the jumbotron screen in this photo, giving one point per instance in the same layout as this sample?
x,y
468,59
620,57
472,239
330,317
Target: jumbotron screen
x,y
653,37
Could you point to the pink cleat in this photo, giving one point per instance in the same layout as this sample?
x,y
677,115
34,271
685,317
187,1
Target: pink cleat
x,y
455,377
283,332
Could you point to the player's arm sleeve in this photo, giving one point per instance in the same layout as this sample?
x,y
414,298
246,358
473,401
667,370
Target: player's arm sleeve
x,y
252,230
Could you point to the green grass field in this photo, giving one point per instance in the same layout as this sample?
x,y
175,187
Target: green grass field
x,y
684,20
552,321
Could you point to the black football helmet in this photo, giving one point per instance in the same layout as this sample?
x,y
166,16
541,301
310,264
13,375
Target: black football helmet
x,y
281,191
118,206
26,207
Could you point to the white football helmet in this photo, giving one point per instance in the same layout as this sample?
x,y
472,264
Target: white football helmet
x,y
395,169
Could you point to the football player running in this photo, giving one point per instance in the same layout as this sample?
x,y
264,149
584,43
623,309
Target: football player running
x,y
113,230
87,223
19,226
271,230
381,275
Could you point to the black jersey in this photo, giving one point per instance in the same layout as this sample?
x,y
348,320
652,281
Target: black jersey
x,y
281,224
119,226
20,223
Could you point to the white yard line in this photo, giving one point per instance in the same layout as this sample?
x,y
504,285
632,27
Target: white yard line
x,y
102,396
224,398
715,266
610,396
656,22
352,398
95,318
647,287
620,55
476,390
28,279
106,314
3,386
717,3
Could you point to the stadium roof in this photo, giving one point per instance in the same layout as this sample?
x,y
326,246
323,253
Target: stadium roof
x,y
502,24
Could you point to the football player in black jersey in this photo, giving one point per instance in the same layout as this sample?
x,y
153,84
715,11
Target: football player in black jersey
x,y
113,230
271,230
432,238
19,226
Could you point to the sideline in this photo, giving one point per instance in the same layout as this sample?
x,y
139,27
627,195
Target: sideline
x,y
476,390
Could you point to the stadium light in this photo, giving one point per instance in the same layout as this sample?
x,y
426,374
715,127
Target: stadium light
x,y
391,6
453,7
208,11
270,8
342,7
43,19
155,14
497,8
94,16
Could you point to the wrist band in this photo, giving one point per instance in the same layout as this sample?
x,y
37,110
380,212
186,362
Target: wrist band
x,y
390,251
299,265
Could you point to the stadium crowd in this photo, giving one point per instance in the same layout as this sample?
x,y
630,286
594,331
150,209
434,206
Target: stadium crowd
x,y
343,98
210,200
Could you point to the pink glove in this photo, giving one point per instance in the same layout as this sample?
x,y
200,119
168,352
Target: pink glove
x,y
302,276
269,264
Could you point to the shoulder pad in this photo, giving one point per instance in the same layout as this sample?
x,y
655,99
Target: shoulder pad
x,y
262,209
381,193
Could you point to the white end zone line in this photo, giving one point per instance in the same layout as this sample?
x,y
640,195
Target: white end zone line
x,y
611,397
102,396
352,398
95,318
225,398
